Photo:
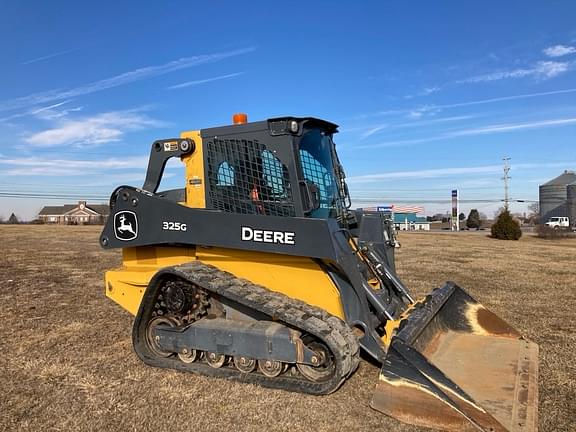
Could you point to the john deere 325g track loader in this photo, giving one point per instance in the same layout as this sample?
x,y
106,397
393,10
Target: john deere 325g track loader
x,y
258,271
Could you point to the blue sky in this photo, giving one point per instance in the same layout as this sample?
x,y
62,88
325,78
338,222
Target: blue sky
x,y
429,96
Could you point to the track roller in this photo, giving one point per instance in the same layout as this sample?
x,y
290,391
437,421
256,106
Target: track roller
x,y
245,364
215,360
188,355
270,368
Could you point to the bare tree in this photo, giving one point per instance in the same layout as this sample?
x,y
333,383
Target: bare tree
x,y
499,211
534,215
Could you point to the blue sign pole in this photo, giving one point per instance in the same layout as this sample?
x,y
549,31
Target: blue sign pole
x,y
455,225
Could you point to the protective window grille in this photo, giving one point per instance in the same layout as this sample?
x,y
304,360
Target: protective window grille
x,y
244,177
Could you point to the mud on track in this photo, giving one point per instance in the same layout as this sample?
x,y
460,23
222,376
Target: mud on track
x,y
66,360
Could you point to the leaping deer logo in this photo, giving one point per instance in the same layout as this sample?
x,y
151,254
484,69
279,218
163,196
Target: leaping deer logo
x,y
126,225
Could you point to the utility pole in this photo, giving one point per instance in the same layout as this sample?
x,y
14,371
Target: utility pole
x,y
506,178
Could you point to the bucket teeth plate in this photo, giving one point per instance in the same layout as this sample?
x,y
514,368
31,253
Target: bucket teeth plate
x,y
454,365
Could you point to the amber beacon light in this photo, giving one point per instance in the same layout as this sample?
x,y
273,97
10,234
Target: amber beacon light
x,y
240,118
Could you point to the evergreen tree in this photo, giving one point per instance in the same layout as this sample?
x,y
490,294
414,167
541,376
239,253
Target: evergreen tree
x,y
474,220
505,227
13,219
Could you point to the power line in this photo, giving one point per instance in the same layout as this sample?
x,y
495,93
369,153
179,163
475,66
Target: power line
x,y
9,194
430,199
51,196
416,189
424,200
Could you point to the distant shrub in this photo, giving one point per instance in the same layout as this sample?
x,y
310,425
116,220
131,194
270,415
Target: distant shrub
x,y
546,232
13,219
505,227
474,220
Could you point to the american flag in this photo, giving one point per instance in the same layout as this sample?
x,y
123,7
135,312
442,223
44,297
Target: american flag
x,y
407,209
397,209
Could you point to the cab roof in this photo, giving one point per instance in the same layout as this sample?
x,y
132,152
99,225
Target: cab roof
x,y
271,125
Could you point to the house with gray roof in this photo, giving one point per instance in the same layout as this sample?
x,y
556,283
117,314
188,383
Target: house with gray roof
x,y
75,214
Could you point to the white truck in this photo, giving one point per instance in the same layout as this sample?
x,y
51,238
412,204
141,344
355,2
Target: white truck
x,y
558,222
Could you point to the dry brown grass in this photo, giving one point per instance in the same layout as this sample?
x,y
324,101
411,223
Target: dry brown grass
x,y
66,361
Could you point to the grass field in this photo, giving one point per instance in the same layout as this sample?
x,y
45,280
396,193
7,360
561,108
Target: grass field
x,y
66,360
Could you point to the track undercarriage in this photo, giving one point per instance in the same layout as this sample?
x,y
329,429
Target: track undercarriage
x,y
197,318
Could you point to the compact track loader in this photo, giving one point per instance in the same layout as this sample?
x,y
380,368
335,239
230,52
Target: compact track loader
x,y
258,271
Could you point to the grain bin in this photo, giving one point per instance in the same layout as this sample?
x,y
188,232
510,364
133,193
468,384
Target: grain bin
x,y
553,196
571,203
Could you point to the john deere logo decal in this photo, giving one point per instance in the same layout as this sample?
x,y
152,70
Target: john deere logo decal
x,y
125,225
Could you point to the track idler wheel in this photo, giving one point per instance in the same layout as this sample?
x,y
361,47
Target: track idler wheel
x,y
325,368
152,340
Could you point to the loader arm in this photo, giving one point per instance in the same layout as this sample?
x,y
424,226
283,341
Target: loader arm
x,y
160,153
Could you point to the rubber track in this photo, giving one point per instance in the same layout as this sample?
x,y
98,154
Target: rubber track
x,y
331,330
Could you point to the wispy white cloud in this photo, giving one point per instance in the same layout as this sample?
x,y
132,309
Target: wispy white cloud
x,y
418,113
427,173
386,126
90,131
49,107
67,167
47,57
401,142
480,182
499,128
440,120
44,112
559,50
118,80
452,171
204,81
107,172
483,130
467,103
542,70
373,130
506,98
429,90
54,111
550,69
424,92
